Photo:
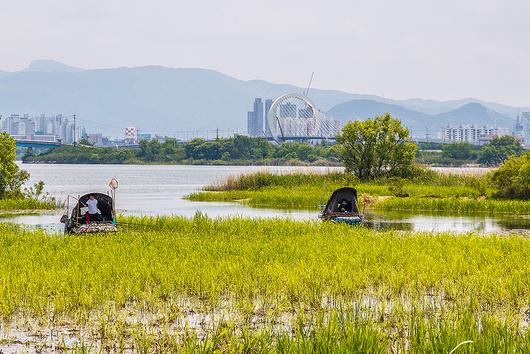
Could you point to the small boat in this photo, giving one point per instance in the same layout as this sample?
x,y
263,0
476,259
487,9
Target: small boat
x,y
77,221
342,207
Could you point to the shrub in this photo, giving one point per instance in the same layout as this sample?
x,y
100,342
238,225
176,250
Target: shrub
x,y
396,185
512,179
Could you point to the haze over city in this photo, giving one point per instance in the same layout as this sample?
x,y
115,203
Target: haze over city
x,y
435,50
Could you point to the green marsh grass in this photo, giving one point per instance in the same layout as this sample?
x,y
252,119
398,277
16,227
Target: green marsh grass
x,y
26,204
260,180
455,205
431,192
311,197
166,284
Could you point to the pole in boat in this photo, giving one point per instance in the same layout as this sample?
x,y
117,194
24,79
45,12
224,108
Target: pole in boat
x,y
77,210
68,205
113,184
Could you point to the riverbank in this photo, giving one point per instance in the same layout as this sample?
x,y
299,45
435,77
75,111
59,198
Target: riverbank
x,y
262,285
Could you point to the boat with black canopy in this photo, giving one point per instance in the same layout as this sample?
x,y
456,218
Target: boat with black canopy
x,y
79,220
343,207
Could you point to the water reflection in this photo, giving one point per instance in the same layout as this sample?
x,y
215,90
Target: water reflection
x,y
432,222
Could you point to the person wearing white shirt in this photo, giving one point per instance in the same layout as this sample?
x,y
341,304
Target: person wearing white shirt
x,y
92,213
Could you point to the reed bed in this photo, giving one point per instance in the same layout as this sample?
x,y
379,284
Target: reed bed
x,y
259,180
232,285
455,205
296,198
309,197
26,204
431,191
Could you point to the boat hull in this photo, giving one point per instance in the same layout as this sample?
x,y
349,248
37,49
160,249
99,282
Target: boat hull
x,y
92,228
343,218
350,220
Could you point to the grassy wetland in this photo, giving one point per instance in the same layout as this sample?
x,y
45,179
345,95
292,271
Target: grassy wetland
x,y
232,285
431,191
26,204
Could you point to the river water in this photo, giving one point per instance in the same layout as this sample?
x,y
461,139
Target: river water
x,y
159,190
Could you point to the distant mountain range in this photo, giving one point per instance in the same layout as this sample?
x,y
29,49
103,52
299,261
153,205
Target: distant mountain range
x,y
420,123
162,99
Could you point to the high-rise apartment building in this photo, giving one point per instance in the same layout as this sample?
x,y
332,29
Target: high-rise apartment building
x,y
258,116
96,139
268,104
255,121
251,129
471,134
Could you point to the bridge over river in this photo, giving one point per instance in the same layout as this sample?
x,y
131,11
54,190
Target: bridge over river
x,y
36,144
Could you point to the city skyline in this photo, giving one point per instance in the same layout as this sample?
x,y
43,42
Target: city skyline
x,y
41,127
413,48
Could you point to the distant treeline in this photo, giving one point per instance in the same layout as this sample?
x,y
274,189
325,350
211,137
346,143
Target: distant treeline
x,y
243,150
457,154
236,150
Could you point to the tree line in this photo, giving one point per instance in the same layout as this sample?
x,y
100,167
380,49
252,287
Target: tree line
x,y
491,154
236,150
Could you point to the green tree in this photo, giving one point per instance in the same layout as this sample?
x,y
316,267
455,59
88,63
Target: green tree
x,y
150,150
378,147
299,151
512,179
172,151
247,148
459,151
499,149
11,177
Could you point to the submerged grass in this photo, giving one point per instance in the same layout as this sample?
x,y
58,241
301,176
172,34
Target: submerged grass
x,y
270,285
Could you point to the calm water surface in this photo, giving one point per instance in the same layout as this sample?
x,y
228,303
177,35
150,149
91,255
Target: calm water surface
x,y
159,190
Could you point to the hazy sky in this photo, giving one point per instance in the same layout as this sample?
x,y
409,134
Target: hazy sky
x,y
440,49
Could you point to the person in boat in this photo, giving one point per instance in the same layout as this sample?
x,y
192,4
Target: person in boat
x,y
92,213
345,206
